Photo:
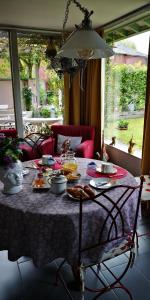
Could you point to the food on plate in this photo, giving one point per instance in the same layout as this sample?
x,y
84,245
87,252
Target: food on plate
x,y
66,171
71,176
79,186
81,191
77,193
89,191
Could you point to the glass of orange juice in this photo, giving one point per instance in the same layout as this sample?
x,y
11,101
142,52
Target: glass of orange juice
x,y
69,162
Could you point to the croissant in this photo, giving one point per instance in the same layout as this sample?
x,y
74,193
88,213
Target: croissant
x,y
89,191
77,193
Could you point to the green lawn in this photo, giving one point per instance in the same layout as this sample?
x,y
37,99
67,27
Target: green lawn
x,y
135,128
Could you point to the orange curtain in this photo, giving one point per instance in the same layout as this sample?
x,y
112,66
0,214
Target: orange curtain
x,y
82,99
72,99
91,99
146,138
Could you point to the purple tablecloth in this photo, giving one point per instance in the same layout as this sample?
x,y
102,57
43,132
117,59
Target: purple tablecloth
x,y
44,226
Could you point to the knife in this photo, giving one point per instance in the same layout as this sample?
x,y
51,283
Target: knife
x,y
100,184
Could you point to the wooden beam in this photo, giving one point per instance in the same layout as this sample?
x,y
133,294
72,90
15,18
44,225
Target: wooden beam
x,y
147,21
135,27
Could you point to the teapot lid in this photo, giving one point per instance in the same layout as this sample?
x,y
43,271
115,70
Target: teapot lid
x,y
59,179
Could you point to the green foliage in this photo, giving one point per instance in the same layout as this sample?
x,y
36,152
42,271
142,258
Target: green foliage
x,y
125,84
45,112
31,49
43,96
45,129
5,70
123,123
9,151
50,97
27,97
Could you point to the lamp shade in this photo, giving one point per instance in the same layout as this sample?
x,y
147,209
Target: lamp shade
x,y
85,44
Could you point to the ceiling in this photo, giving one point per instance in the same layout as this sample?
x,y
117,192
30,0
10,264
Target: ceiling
x,y
49,14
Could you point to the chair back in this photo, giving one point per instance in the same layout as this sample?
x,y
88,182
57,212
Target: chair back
x,y
117,208
32,145
87,132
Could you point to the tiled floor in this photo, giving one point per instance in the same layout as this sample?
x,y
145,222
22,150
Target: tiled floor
x,y
23,281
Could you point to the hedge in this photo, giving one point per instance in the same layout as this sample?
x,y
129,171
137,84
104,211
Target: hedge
x,y
125,84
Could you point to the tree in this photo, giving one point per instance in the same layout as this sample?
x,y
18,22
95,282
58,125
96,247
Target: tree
x,y
126,43
31,49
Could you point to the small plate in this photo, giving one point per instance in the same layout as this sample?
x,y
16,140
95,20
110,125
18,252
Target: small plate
x,y
48,165
25,172
45,186
101,183
75,180
114,171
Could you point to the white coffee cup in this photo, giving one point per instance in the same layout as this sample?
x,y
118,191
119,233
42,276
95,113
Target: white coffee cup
x,y
106,167
48,160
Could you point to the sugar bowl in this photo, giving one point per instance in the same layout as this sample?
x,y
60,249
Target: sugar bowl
x,y
58,184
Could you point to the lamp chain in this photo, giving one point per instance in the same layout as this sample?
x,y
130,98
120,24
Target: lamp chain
x,y
83,9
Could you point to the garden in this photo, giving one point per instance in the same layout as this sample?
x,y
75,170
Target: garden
x,y
135,129
125,102
41,86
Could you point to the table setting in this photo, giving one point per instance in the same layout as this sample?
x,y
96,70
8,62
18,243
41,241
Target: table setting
x,y
99,174
42,222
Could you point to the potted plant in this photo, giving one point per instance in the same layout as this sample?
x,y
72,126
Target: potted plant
x,y
45,112
123,124
10,165
27,98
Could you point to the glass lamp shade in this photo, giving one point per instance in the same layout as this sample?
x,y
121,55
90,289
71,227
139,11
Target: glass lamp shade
x,y
85,44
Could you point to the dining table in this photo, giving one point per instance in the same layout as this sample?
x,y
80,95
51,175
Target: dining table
x,y
45,226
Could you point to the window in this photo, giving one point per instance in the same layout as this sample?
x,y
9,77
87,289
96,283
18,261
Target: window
x,y
41,87
6,96
125,90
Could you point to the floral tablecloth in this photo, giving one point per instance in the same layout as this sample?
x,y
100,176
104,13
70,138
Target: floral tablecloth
x,y
44,226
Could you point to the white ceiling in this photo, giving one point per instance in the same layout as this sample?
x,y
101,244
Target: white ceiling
x,y
49,14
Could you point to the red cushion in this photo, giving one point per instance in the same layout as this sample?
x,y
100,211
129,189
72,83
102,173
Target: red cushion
x,y
28,152
85,149
47,146
9,132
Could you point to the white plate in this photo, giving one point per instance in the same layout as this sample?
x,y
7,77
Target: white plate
x,y
25,172
101,183
114,171
71,197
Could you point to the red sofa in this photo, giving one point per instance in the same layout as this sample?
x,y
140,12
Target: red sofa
x,y
12,132
49,144
86,148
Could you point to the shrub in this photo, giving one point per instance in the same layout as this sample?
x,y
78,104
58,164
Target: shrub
x,y
125,84
45,112
123,124
27,97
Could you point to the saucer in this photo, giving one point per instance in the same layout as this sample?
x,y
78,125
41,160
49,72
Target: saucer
x,y
101,183
113,171
49,164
